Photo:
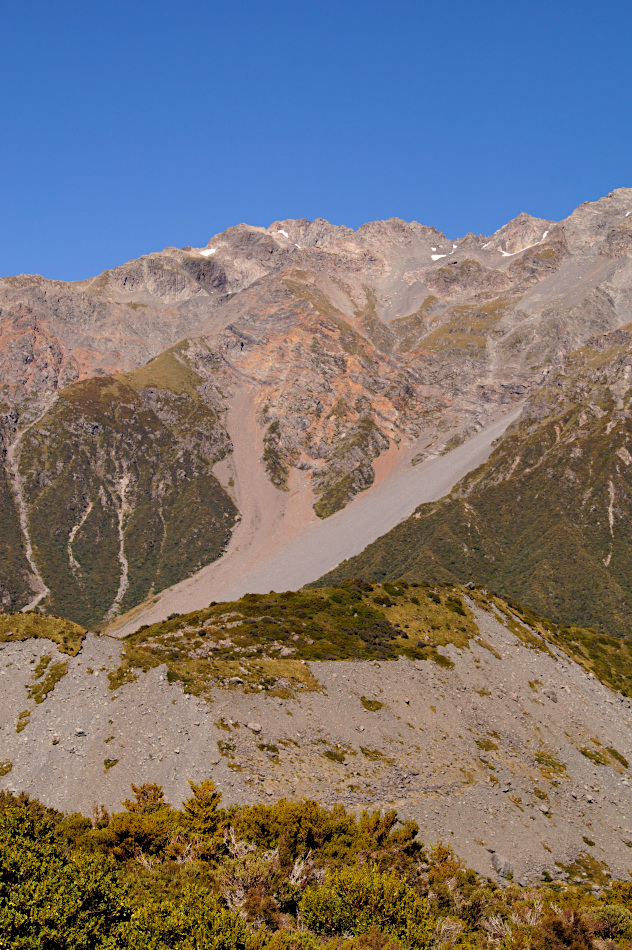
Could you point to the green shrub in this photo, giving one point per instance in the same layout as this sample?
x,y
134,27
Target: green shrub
x,y
354,900
196,922
48,899
616,921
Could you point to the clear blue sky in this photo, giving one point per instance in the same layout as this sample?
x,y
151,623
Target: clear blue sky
x,y
130,126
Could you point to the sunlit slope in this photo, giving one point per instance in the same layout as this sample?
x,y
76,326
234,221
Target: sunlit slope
x,y
547,518
118,486
267,638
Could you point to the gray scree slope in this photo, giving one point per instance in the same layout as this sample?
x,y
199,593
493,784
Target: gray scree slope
x,y
426,751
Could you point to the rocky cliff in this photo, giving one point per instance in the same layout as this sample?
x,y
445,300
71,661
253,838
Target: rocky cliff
x,y
354,346
547,518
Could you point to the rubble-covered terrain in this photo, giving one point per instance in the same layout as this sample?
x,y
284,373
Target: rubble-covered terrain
x,y
485,724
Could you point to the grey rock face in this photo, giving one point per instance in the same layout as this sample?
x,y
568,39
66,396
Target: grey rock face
x,y
502,865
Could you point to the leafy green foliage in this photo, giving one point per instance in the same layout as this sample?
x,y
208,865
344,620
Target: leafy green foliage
x,y
288,876
353,900
148,799
48,898
195,921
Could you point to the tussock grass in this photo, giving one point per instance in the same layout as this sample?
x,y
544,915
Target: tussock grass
x,y
31,625
46,680
263,642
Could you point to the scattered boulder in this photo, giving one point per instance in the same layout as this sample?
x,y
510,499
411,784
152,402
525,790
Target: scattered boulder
x,y
502,865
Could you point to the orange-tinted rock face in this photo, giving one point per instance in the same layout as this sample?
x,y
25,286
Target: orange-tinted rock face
x,y
350,342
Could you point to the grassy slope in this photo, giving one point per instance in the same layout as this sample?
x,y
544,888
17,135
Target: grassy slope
x,y
547,519
151,428
265,639
31,625
14,568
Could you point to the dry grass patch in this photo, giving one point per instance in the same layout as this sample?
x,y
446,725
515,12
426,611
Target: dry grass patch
x,y
45,678
549,765
31,625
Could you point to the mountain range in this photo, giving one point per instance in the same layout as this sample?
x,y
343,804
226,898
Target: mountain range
x,y
148,406
421,443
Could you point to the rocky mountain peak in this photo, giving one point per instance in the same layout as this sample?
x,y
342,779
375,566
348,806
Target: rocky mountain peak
x,y
521,233
595,221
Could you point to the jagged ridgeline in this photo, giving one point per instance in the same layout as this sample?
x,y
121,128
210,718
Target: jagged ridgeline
x,y
118,490
547,519
324,357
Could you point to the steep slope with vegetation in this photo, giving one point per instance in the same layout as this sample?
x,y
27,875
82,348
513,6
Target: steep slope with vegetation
x,y
14,567
480,721
266,637
118,485
547,518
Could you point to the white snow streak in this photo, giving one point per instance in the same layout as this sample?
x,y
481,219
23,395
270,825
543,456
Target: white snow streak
x,y
513,254
284,233
207,251
436,257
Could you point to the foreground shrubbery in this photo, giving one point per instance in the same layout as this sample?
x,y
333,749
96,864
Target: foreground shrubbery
x,y
291,876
